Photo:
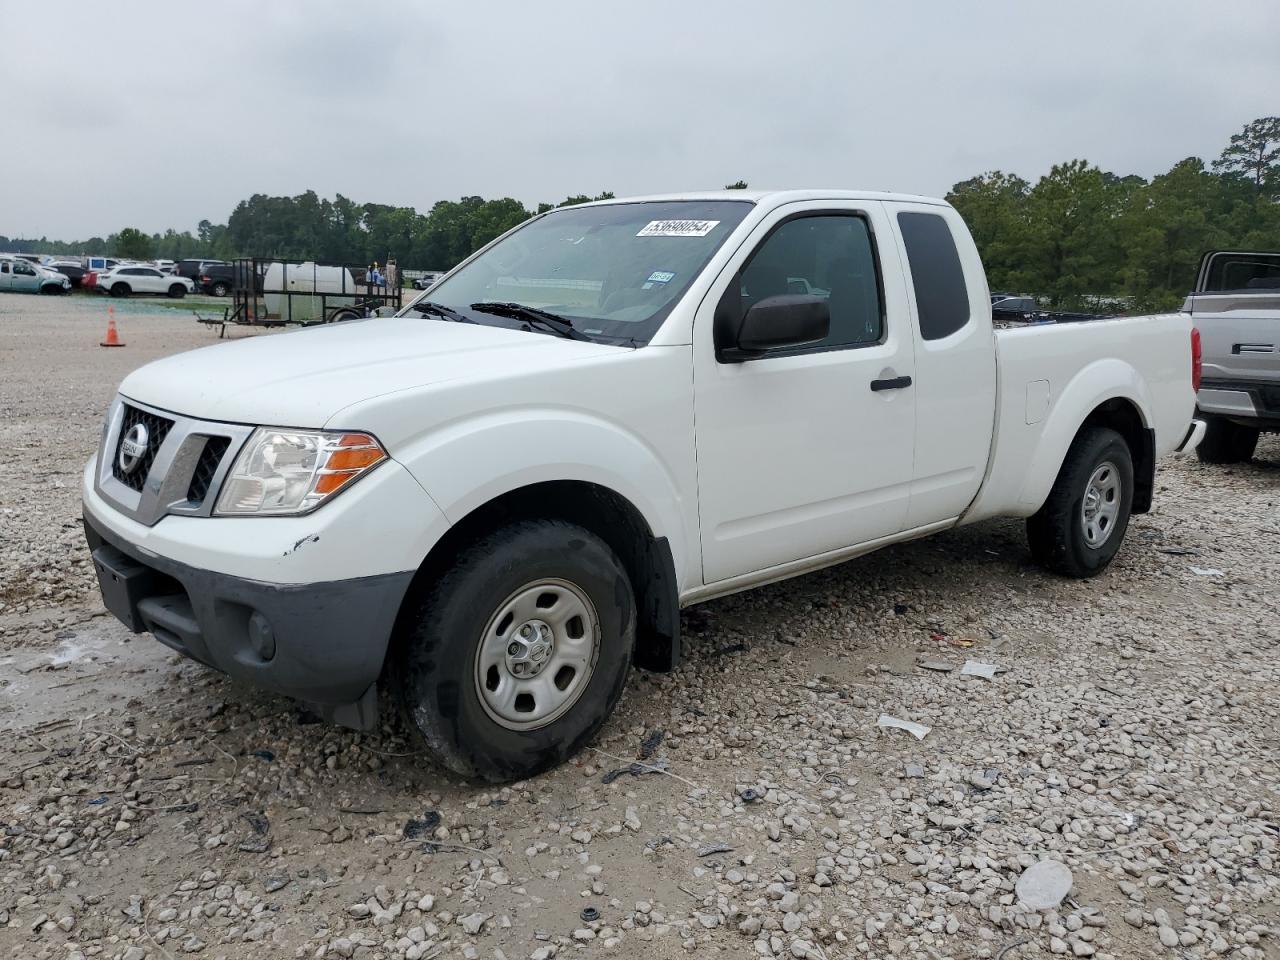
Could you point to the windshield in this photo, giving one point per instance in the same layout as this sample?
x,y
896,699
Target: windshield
x,y
614,271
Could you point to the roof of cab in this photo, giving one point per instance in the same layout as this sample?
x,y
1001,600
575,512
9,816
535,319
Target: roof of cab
x,y
773,198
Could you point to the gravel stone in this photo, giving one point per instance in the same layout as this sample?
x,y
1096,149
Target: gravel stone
x,y
1128,743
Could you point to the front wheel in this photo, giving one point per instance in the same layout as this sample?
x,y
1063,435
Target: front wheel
x,y
1226,442
515,656
1082,524
177,291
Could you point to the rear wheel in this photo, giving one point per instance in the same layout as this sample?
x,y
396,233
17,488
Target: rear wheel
x,y
120,290
177,291
1226,442
1082,524
515,657
220,289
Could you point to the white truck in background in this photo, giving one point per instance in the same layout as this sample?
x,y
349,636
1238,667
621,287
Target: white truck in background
x,y
496,501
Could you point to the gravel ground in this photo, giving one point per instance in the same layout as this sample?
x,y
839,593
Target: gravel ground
x,y
155,809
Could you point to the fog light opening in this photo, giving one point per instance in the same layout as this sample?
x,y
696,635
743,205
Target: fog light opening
x,y
261,637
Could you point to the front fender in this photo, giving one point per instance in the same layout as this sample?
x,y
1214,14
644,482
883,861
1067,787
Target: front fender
x,y
469,462
1094,385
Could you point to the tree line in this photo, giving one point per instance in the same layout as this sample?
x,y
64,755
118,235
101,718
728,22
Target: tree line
x,y
1080,232
309,227
1077,234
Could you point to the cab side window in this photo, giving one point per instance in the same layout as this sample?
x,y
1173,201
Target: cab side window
x,y
942,299
4,267
831,256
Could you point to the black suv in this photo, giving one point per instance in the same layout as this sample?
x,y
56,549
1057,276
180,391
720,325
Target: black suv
x,y
193,269
216,278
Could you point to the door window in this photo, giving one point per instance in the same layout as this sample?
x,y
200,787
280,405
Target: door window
x,y
4,267
23,268
831,256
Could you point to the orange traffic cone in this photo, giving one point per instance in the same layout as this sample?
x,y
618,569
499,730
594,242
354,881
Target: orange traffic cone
x,y
113,338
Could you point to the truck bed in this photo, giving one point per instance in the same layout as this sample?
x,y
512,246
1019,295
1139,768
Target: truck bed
x,y
1050,375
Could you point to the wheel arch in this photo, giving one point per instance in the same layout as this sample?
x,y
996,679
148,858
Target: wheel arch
x,y
1106,393
1123,416
647,558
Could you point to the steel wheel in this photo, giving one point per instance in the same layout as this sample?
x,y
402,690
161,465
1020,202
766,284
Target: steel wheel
x,y
536,654
1101,504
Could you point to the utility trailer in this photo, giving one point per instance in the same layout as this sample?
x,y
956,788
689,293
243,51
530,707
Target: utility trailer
x,y
269,291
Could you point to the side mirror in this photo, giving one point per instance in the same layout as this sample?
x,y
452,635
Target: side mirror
x,y
775,323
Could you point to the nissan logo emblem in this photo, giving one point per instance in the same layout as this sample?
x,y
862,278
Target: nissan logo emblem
x,y
133,448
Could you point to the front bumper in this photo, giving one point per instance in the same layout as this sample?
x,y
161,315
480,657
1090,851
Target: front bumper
x,y
321,643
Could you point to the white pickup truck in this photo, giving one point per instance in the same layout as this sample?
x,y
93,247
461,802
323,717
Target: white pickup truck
x,y
498,500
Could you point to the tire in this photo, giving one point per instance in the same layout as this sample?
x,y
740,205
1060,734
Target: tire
x,y
340,316
120,290
1226,442
497,587
1060,534
177,291
220,289
52,290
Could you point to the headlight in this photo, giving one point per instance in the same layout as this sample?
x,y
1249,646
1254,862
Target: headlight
x,y
283,471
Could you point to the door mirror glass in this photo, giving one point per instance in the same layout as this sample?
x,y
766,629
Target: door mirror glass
x,y
779,322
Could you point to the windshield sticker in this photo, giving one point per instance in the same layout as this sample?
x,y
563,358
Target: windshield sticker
x,y
661,276
678,228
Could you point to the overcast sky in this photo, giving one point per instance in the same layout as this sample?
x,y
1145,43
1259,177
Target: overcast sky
x,y
159,114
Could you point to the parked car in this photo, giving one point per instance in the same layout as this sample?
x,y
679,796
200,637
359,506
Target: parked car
x,y
165,266
99,264
193,269
426,281
217,279
491,500
20,275
72,271
126,280
1015,304
1236,308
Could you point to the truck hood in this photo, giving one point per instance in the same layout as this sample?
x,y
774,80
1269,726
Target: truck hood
x,y
303,377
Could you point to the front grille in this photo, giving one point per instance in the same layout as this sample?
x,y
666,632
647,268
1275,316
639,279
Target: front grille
x,y
157,429
206,467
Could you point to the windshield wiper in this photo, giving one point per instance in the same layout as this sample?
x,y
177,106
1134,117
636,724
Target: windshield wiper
x,y
558,325
440,310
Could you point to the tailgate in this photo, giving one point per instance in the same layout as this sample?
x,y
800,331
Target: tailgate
x,y
1240,344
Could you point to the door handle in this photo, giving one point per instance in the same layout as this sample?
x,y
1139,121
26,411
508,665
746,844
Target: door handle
x,y
896,383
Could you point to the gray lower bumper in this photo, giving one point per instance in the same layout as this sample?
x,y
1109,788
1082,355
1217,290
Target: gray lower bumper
x,y
323,643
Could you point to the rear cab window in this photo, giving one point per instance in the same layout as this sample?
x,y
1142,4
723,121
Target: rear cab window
x,y
1241,273
942,299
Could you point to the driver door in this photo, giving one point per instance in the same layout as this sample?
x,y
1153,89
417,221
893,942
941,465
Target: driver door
x,y
809,450
25,279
